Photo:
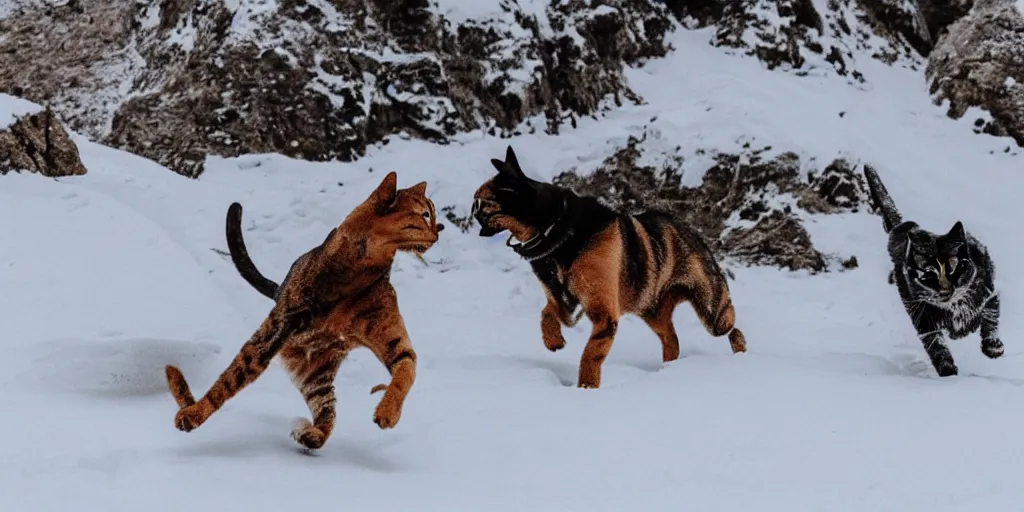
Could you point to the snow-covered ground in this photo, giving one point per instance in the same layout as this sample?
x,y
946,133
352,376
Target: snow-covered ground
x,y
107,277
12,108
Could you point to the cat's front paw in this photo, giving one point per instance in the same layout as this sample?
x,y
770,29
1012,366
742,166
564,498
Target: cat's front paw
x,y
189,418
947,370
993,348
387,414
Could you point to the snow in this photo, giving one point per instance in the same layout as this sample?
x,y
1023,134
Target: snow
x,y
12,109
111,275
461,11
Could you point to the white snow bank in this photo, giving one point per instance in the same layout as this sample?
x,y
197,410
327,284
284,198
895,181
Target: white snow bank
x,y
12,108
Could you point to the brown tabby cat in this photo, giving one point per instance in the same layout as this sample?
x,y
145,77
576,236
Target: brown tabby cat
x,y
336,297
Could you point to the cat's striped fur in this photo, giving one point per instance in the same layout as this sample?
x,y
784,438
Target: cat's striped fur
x,y
335,298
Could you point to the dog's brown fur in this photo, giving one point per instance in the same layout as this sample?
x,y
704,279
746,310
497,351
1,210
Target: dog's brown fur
x,y
608,263
336,297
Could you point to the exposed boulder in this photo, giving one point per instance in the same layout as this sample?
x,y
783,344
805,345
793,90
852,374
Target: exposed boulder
x,y
980,63
39,143
318,80
939,14
749,208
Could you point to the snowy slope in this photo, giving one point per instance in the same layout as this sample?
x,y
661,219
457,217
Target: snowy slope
x,y
12,108
109,276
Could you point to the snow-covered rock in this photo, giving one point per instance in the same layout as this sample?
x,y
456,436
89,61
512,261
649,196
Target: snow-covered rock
x,y
177,80
33,140
749,205
980,63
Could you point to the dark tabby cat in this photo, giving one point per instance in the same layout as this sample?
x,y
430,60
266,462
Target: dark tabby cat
x,y
945,281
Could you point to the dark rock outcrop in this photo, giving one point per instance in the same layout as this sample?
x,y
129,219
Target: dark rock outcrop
x,y
39,143
747,207
179,79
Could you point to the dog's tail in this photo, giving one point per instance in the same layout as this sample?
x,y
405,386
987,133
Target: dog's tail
x,y
240,256
882,201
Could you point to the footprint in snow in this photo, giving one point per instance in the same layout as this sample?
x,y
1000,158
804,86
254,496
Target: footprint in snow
x,y
112,368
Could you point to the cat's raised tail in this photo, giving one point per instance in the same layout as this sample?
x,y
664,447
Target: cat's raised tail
x,y
883,202
240,255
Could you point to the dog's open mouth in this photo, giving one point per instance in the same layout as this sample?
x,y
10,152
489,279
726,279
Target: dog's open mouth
x,y
486,230
484,219
485,224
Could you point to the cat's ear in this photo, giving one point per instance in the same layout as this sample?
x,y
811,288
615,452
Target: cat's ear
x,y
386,193
419,189
957,232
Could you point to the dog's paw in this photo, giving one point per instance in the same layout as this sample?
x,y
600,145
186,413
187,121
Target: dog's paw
x,y
554,345
993,348
189,418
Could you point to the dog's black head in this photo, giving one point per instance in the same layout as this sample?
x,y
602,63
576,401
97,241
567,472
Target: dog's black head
x,y
512,201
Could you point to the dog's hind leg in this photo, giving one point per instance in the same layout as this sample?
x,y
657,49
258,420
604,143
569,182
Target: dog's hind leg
x,y
659,319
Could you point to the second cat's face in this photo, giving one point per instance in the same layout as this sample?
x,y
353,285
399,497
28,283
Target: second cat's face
x,y
939,268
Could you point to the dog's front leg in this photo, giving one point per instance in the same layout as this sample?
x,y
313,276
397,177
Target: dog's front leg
x,y
606,323
551,327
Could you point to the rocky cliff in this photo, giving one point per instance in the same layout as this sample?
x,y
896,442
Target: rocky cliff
x,y
178,79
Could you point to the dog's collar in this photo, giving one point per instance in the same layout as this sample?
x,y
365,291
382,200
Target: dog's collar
x,y
545,242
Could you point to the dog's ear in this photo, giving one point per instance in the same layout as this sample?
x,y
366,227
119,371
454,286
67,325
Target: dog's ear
x,y
499,165
510,167
512,163
386,193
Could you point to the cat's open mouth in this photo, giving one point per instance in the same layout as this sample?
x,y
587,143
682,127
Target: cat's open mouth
x,y
417,247
947,297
